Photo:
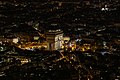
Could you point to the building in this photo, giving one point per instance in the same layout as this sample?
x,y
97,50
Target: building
x,y
54,39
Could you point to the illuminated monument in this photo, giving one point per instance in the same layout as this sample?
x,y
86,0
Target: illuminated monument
x,y
54,39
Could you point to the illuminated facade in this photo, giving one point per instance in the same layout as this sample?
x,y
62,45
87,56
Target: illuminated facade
x,y
54,39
